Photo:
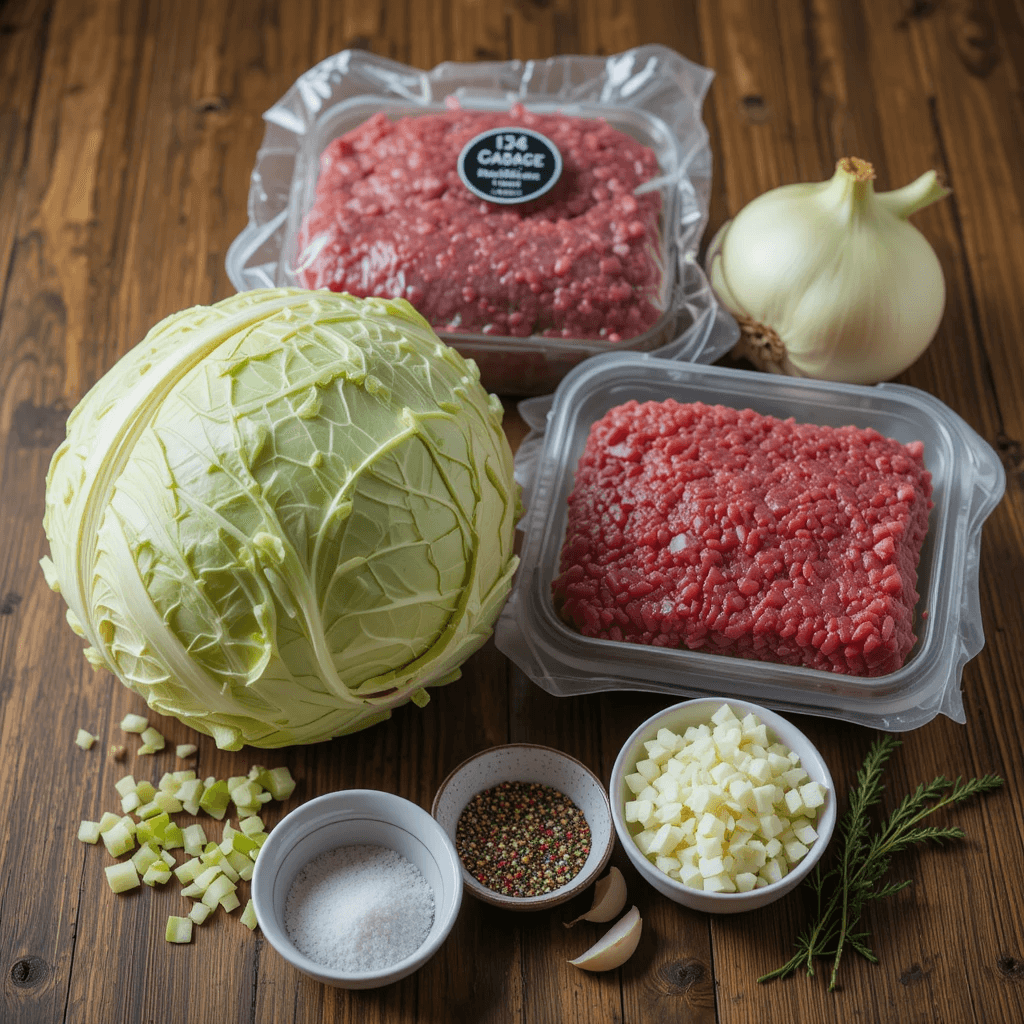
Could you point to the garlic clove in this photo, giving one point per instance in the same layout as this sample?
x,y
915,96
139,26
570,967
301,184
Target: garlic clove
x,y
615,947
609,899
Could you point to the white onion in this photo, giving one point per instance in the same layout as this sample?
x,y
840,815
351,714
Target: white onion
x,y
829,279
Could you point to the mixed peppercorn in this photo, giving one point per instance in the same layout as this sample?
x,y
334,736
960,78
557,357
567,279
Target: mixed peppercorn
x,y
522,839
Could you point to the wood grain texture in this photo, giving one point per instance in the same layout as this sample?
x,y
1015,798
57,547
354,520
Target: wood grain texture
x,y
128,131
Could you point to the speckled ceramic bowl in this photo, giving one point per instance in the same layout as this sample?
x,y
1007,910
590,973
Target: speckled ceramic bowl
x,y
528,762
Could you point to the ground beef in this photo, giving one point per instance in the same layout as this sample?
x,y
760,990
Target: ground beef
x,y
723,530
392,218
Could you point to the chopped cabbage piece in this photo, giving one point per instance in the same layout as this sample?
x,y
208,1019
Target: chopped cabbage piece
x,y
89,832
84,739
179,929
122,877
248,917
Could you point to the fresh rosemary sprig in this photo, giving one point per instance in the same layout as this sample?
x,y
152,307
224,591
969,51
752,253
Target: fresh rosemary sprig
x,y
863,859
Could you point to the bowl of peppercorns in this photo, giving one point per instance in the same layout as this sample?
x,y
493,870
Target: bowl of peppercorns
x,y
532,825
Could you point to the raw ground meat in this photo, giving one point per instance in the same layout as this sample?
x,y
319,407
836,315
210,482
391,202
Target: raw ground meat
x,y
392,218
716,529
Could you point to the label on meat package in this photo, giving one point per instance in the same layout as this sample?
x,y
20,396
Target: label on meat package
x,y
509,165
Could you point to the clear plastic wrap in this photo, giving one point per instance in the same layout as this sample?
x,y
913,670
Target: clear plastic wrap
x,y
968,482
651,93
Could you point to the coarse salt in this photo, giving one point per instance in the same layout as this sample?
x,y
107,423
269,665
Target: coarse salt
x,y
359,908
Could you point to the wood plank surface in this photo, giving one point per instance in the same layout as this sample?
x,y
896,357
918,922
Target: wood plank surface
x,y
128,131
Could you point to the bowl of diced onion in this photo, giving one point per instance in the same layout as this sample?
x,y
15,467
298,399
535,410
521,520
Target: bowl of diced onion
x,y
723,806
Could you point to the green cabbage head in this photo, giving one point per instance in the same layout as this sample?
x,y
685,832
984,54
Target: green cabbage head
x,y
283,515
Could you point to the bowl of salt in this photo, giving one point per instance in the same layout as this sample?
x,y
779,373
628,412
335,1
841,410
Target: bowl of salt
x,y
358,888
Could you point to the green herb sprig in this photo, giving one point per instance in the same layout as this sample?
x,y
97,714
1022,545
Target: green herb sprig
x,y
856,876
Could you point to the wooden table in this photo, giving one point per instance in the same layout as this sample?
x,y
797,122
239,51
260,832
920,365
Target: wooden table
x,y
127,134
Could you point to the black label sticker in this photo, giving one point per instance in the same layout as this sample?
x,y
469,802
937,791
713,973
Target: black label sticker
x,y
509,165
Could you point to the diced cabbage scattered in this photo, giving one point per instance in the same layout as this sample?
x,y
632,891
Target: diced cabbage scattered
x,y
84,739
179,929
215,798
120,837
248,917
89,832
212,871
152,741
199,912
194,839
126,786
157,873
147,855
122,877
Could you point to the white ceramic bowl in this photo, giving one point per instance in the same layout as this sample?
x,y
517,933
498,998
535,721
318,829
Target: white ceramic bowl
x,y
354,817
678,718
528,762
